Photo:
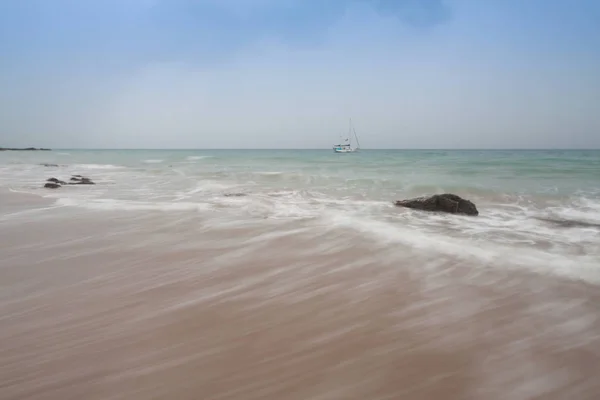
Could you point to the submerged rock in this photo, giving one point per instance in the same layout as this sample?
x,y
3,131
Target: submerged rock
x,y
50,165
83,181
80,180
569,223
54,180
235,194
54,183
449,203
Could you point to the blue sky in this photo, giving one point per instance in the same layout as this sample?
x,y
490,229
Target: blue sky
x,y
289,73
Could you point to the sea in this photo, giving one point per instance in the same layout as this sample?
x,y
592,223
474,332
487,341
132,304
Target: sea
x,y
291,274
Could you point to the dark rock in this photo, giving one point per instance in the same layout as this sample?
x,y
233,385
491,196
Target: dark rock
x,y
235,194
54,180
50,165
446,202
52,185
26,149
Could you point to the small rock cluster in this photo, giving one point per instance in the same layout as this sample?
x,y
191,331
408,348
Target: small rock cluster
x,y
54,183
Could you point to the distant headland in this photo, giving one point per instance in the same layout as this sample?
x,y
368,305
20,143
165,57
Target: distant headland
x,y
25,149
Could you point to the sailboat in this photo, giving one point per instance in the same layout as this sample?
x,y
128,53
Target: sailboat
x,y
345,145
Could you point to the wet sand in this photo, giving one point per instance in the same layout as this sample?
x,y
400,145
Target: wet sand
x,y
120,305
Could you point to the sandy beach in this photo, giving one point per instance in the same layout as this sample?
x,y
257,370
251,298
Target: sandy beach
x,y
121,305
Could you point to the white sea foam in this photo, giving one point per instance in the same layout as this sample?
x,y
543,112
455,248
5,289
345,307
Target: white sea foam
x,y
179,172
588,212
269,173
129,205
97,166
488,254
211,187
513,227
291,211
153,161
196,158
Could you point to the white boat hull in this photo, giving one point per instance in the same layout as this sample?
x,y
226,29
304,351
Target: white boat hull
x,y
342,150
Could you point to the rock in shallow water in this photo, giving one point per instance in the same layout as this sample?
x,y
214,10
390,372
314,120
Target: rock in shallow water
x,y
449,203
54,180
54,183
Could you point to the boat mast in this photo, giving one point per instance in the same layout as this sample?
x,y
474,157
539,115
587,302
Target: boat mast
x,y
356,137
350,132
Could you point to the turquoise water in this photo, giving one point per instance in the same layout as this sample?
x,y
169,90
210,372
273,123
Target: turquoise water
x,y
372,172
537,177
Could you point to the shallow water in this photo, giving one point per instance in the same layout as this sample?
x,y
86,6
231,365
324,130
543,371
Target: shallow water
x,y
155,284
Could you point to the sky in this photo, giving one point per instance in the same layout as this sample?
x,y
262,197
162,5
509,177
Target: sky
x,y
290,73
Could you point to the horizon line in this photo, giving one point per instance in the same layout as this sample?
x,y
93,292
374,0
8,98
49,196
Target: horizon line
x,y
322,149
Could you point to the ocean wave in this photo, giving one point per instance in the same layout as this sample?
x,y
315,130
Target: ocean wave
x,y
269,173
196,158
212,187
582,210
299,204
130,205
570,223
97,166
465,191
583,267
575,216
153,161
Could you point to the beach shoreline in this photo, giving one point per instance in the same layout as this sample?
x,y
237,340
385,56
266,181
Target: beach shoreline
x,y
155,284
